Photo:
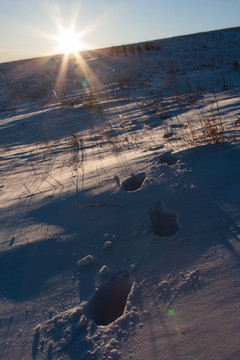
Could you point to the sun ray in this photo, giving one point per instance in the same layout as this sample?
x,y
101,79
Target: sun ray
x,y
59,85
90,76
69,41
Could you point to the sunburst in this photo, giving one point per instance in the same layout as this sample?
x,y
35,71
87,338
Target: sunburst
x,y
69,42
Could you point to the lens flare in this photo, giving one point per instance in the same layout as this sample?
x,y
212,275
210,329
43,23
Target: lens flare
x,y
171,312
69,42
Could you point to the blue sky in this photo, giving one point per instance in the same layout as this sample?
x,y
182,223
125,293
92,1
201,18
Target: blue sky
x,y
27,27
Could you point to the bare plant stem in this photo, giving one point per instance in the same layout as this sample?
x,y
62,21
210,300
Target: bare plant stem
x,y
96,205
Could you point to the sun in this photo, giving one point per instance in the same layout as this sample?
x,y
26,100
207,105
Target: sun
x,y
69,42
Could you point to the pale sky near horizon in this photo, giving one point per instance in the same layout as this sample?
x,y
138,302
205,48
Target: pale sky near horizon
x,y
27,27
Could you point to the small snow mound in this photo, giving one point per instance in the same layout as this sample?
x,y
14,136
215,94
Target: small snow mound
x,y
132,267
87,260
61,329
134,183
37,328
107,244
179,285
75,314
110,299
104,271
82,322
163,223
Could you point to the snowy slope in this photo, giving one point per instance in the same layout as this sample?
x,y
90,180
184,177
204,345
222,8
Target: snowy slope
x,y
120,195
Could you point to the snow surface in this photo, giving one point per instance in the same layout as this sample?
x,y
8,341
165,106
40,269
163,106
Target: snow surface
x,y
128,165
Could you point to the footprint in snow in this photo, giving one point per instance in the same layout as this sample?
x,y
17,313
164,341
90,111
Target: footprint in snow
x,y
134,182
110,299
168,158
163,223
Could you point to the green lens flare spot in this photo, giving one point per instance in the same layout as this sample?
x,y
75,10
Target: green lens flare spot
x,y
171,312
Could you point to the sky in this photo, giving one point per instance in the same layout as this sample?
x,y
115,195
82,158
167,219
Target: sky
x,y
29,28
